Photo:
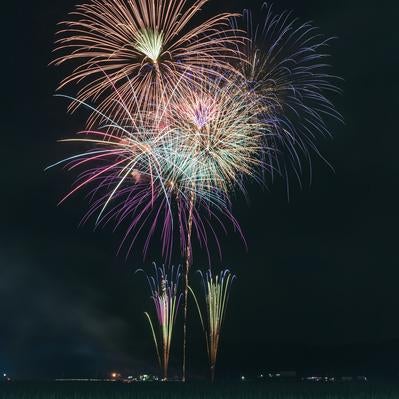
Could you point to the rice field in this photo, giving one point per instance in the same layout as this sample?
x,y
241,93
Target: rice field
x,y
247,390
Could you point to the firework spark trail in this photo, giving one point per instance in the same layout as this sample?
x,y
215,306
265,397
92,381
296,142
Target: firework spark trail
x,y
216,293
188,263
146,45
166,294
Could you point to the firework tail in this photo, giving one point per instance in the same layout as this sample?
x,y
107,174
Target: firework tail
x,y
216,292
165,294
186,286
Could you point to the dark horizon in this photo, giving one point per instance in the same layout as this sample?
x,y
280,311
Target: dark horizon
x,y
317,288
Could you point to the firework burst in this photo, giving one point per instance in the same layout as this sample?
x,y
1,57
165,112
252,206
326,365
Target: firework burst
x,y
166,295
144,45
175,168
222,134
285,66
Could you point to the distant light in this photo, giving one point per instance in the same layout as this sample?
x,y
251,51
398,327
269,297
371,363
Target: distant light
x,y
113,375
4,375
261,376
242,378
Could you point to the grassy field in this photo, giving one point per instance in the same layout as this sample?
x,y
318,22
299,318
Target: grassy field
x,y
197,391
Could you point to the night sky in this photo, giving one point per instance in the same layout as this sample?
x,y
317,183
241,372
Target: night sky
x,y
318,286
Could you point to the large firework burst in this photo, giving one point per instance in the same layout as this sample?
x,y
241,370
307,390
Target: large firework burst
x,y
144,45
176,168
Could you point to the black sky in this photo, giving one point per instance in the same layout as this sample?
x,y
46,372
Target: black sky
x,y
317,289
